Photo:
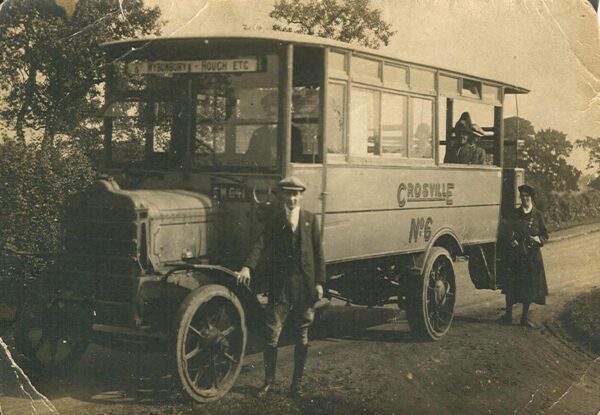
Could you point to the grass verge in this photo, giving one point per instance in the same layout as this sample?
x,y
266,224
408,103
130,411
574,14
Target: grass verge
x,y
581,318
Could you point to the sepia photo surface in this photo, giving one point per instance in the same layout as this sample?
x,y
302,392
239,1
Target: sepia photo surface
x,y
299,207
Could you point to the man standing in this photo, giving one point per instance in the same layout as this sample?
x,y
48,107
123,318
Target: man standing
x,y
292,250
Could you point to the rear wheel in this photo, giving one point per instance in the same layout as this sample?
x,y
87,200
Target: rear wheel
x,y
430,306
52,339
211,339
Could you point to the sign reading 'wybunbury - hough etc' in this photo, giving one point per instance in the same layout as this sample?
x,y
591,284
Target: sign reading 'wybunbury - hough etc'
x,y
198,66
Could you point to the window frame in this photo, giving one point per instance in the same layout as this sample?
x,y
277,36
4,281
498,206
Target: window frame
x,y
410,127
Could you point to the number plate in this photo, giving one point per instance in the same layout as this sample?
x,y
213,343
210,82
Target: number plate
x,y
226,191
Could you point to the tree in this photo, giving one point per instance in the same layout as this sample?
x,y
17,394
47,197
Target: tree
x,y
516,131
51,65
34,184
517,128
51,75
592,146
345,20
544,158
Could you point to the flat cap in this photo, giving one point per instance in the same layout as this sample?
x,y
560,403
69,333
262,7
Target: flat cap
x,y
525,188
292,183
477,130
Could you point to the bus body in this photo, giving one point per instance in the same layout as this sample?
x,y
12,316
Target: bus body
x,y
198,131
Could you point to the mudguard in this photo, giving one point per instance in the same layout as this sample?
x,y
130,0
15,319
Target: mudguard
x,y
192,276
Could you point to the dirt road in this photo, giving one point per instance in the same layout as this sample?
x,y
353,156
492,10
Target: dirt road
x,y
365,361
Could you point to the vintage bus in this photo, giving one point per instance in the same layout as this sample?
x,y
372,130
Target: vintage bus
x,y
198,131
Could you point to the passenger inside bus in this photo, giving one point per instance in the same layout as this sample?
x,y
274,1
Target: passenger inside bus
x,y
461,135
470,152
464,149
263,142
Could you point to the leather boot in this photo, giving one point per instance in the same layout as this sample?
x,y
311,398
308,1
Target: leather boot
x,y
300,353
270,361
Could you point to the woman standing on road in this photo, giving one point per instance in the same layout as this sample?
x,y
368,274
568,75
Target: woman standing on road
x,y
526,279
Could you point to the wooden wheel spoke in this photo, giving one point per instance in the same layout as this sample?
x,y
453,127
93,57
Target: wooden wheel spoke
x,y
214,314
228,331
445,320
216,373
230,358
197,377
433,318
196,331
195,352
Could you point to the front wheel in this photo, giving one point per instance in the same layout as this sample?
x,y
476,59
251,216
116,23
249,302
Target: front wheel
x,y
430,306
211,339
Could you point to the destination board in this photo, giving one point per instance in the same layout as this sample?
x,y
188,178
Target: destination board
x,y
197,66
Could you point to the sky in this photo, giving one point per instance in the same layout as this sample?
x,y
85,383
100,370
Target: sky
x,y
551,47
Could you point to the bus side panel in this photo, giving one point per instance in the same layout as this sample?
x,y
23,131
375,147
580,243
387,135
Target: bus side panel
x,y
374,211
312,176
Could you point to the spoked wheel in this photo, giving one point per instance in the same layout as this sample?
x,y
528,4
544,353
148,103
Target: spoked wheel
x,y
430,307
211,339
53,339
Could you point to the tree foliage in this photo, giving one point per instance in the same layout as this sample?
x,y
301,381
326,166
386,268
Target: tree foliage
x,y
34,184
544,158
592,146
345,20
51,75
517,128
51,65
543,154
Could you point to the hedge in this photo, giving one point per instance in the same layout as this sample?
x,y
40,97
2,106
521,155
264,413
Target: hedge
x,y
565,209
34,184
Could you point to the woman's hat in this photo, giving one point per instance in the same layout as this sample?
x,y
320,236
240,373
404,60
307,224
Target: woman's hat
x,y
477,130
525,188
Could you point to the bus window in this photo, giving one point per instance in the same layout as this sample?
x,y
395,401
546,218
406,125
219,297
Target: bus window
x,y
480,114
306,105
448,85
364,122
421,79
366,69
161,134
336,107
224,112
127,130
393,124
210,108
491,93
394,76
471,89
421,142
256,133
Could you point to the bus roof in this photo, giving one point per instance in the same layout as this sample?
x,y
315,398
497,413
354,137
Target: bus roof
x,y
299,39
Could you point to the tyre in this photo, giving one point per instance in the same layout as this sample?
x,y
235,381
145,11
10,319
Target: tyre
x,y
52,339
430,304
211,340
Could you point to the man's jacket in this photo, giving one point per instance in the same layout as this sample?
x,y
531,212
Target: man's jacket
x,y
471,154
272,250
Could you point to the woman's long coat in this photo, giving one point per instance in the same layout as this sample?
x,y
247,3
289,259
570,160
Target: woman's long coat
x,y
526,282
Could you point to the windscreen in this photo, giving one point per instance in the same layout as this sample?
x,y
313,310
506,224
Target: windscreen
x,y
207,113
